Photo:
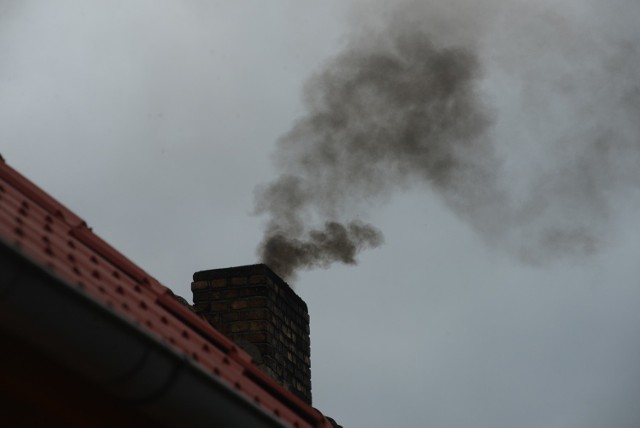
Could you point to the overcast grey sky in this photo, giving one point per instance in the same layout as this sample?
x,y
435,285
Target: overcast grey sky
x,y
511,302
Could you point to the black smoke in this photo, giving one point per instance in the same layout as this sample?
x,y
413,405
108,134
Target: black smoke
x,y
382,114
524,119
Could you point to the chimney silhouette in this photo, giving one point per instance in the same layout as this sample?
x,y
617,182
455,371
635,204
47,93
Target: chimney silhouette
x,y
262,314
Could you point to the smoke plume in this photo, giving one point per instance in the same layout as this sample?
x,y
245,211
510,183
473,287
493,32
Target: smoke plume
x,y
528,135
382,113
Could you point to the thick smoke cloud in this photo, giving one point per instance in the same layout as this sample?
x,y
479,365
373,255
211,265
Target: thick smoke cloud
x,y
531,135
383,113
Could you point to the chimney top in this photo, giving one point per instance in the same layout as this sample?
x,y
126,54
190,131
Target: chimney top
x,y
258,269
248,271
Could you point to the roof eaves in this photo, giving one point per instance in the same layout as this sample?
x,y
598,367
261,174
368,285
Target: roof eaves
x,y
56,240
117,355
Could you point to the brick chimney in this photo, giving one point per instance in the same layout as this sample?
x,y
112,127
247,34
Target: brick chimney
x,y
264,316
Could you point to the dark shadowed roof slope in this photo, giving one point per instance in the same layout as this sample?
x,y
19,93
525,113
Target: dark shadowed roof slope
x,y
74,298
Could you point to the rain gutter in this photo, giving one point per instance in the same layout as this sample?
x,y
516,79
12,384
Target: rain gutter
x,y
72,328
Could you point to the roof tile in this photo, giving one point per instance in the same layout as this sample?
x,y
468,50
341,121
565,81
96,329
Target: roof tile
x,y
43,230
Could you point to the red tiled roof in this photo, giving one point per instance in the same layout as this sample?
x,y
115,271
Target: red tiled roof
x,y
44,231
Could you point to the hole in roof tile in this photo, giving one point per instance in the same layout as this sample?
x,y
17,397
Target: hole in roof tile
x,y
225,360
149,324
164,320
125,306
2,189
237,385
48,219
185,334
46,239
71,257
206,348
94,259
81,285
101,289
71,244
48,228
18,231
19,220
256,399
142,305
76,270
194,355
172,340
120,289
216,370
116,274
95,274
276,412
137,289
48,251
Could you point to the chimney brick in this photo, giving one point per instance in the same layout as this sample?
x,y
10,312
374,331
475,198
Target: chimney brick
x,y
263,315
